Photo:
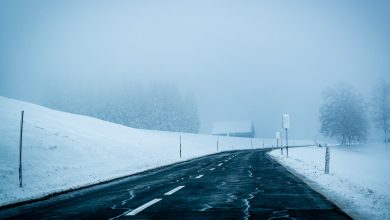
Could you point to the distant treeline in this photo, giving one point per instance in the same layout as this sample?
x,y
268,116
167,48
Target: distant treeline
x,y
159,107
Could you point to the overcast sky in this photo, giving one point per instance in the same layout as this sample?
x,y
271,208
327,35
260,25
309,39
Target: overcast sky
x,y
242,59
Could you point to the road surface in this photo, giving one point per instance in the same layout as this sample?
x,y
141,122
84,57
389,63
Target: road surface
x,y
230,185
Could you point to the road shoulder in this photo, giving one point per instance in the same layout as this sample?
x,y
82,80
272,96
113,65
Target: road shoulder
x,y
335,198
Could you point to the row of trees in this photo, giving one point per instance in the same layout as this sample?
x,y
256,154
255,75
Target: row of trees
x,y
345,115
158,107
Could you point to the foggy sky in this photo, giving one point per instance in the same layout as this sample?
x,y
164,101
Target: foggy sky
x,y
242,59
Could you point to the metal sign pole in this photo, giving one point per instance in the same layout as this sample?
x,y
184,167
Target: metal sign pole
x,y
286,126
287,142
277,135
281,139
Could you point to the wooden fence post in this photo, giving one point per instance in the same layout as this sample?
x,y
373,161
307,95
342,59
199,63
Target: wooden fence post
x,y
180,147
20,151
327,158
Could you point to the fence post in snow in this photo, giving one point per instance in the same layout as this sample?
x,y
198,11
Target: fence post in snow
x,y
180,147
327,158
20,151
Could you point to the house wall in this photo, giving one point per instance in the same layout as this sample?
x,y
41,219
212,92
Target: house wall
x,y
246,134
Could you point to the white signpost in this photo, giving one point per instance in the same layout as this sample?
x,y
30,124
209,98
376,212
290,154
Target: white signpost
x,y
286,126
277,135
286,121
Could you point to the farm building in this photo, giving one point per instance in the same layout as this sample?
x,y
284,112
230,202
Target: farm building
x,y
234,129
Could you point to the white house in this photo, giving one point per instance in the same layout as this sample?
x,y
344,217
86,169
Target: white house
x,y
234,129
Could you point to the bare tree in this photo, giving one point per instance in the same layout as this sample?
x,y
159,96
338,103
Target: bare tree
x,y
343,115
381,108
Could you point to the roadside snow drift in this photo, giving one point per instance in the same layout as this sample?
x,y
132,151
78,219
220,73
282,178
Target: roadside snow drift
x,y
359,179
63,151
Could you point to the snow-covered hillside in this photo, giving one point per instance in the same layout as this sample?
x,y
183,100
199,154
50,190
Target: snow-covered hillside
x,y
63,151
359,179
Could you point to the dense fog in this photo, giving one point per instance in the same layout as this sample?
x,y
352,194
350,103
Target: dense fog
x,y
238,60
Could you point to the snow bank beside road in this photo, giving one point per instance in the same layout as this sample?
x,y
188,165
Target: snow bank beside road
x,y
63,151
359,179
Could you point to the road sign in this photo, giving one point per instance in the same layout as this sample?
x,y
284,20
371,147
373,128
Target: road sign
x,y
277,134
286,121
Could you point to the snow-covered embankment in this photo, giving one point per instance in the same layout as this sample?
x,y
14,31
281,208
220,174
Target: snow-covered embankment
x,y
359,179
63,151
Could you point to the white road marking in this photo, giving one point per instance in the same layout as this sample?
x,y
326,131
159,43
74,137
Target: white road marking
x,y
174,190
220,164
200,176
212,169
142,207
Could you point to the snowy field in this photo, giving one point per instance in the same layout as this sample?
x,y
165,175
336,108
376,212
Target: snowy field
x,y
359,179
63,151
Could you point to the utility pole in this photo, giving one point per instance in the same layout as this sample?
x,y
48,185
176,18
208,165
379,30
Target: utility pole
x,y
20,152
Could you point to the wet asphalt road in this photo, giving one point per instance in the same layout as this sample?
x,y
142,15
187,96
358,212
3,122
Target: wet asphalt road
x,y
230,185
